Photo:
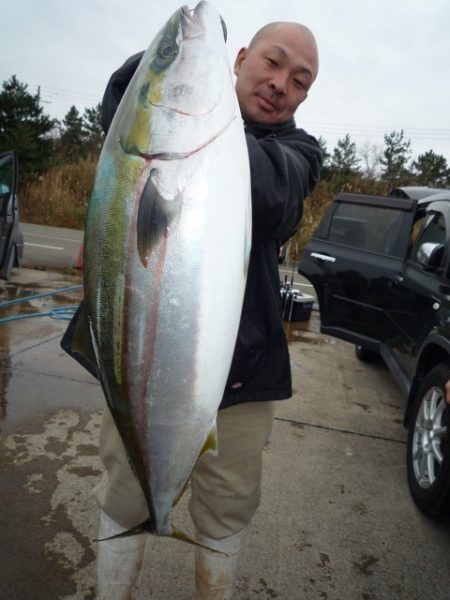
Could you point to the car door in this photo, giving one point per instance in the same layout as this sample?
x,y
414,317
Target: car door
x,y
9,217
424,285
354,259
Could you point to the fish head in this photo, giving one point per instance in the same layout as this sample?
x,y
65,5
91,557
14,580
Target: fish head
x,y
179,98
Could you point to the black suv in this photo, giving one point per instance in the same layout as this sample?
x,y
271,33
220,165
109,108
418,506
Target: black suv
x,y
381,270
11,238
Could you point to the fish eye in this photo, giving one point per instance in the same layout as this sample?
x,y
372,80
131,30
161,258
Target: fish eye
x,y
168,51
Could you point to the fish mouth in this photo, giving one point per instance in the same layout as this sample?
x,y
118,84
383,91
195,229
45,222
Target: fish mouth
x,y
192,24
192,21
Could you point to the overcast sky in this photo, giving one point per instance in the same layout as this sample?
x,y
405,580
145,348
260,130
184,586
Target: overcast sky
x,y
384,64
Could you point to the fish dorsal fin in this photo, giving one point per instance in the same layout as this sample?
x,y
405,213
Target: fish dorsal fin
x,y
155,215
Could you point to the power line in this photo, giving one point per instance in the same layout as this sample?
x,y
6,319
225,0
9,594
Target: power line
x,y
50,94
380,127
327,127
59,93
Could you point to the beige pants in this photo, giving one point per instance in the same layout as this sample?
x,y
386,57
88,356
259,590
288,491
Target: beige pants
x,y
226,489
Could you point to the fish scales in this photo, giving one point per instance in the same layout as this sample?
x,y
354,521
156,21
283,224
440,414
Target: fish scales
x,y
166,249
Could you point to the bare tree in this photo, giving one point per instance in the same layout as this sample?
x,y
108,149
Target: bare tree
x,y
370,155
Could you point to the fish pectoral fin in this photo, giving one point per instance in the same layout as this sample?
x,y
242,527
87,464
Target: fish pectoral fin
x,y
155,215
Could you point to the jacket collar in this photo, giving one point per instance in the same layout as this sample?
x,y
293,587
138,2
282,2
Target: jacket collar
x,y
265,129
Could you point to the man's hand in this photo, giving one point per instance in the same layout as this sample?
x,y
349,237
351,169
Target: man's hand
x,y
447,391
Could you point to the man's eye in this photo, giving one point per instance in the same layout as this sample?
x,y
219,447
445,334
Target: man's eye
x,y
299,84
272,63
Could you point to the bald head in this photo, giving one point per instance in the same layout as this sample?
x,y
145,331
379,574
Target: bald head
x,y
276,71
280,28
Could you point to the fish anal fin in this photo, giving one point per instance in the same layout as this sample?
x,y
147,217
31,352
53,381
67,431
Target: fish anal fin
x,y
211,444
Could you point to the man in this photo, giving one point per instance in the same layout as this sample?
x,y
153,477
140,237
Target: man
x,y
274,75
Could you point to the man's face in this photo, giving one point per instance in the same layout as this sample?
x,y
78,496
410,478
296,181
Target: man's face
x,y
274,75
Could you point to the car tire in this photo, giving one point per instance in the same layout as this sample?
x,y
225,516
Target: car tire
x,y
428,449
365,355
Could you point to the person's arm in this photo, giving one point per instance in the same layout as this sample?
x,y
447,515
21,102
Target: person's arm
x,y
284,170
116,87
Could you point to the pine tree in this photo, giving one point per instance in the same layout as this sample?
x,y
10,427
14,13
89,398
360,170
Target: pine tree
x,y
396,155
25,128
344,160
92,126
431,169
72,140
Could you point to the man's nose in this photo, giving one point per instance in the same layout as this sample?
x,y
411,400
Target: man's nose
x,y
279,82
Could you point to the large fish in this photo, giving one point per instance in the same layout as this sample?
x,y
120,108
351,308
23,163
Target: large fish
x,y
167,242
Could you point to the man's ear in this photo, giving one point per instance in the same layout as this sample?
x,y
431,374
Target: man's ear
x,y
239,59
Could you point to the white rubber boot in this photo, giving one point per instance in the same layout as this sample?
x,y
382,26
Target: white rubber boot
x,y
118,561
215,573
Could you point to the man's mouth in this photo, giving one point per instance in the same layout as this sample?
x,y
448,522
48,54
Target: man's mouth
x,y
266,104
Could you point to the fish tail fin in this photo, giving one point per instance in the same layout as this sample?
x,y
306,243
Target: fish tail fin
x,y
144,527
180,535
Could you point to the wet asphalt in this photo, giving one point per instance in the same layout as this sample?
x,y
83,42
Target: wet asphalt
x,y
336,520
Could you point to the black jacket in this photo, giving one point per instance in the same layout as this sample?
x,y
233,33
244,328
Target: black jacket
x,y
285,166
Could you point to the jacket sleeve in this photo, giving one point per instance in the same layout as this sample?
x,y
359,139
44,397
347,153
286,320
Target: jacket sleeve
x,y
284,170
116,87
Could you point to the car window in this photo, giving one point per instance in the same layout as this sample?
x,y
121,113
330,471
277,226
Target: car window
x,y
367,227
430,236
416,229
6,174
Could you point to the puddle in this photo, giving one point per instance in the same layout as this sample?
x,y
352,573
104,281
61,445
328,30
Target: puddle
x,y
17,333
20,300
307,332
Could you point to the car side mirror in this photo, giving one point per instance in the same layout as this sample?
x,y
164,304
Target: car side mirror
x,y
430,254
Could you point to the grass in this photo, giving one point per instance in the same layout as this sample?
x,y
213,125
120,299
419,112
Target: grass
x,y
59,197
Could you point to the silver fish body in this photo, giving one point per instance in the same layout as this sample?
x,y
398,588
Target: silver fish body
x,y
167,244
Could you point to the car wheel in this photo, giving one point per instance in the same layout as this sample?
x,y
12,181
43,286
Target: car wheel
x,y
365,355
428,453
